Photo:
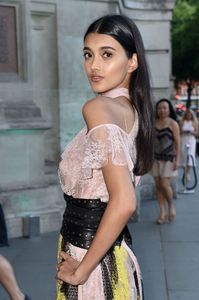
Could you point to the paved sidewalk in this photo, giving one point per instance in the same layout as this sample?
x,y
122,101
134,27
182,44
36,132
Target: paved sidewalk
x,y
168,255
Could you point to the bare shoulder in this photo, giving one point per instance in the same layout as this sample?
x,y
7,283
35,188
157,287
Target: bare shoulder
x,y
97,111
92,104
175,127
174,124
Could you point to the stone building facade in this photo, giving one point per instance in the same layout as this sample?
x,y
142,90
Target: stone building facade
x,y
43,87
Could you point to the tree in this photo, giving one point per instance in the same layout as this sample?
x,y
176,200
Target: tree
x,y
185,40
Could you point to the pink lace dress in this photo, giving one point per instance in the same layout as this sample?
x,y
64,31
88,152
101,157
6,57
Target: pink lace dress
x,y
81,177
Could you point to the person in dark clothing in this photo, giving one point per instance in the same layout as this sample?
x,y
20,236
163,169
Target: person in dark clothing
x,y
3,229
167,152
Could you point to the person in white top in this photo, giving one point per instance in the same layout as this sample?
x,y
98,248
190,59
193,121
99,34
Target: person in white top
x,y
189,132
102,165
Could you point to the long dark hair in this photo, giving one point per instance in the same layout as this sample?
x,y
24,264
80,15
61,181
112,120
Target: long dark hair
x,y
124,30
172,113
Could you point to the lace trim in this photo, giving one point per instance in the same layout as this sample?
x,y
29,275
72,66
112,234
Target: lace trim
x,y
102,142
88,152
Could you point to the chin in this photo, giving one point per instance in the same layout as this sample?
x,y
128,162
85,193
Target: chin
x,y
98,90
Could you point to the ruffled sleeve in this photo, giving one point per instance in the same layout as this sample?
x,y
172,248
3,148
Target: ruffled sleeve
x,y
84,157
104,142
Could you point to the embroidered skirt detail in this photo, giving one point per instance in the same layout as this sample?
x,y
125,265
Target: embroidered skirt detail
x,y
117,277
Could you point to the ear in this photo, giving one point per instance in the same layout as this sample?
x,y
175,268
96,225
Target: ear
x,y
133,63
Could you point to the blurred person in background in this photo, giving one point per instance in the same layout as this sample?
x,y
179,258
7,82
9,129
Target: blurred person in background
x,y
189,132
9,282
3,229
167,154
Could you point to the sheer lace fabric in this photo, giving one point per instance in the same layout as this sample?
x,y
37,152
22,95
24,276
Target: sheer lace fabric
x,y
89,152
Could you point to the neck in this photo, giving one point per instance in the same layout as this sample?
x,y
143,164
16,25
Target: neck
x,y
116,92
163,119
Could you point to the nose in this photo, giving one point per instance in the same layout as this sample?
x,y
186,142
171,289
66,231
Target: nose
x,y
95,64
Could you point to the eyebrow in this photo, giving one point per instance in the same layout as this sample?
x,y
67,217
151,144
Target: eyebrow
x,y
101,48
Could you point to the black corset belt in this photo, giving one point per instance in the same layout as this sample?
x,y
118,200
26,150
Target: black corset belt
x,y
81,220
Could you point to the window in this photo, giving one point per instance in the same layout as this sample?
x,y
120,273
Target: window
x,y
8,40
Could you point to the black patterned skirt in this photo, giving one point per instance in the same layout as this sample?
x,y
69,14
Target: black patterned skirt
x,y
117,277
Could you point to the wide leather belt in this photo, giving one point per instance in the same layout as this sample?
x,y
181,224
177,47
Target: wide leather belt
x,y
81,220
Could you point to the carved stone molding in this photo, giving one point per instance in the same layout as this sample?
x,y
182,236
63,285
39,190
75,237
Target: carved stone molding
x,y
21,114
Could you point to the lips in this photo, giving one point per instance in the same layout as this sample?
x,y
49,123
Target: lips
x,y
96,78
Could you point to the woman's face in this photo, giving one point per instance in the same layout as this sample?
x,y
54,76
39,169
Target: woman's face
x,y
106,63
188,115
163,109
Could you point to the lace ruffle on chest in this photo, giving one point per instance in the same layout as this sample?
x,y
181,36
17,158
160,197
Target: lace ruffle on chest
x,y
80,168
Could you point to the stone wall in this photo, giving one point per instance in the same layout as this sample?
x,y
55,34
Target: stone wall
x,y
73,19
29,118
40,104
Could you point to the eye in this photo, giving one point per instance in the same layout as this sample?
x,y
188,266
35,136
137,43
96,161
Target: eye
x,y
107,54
87,55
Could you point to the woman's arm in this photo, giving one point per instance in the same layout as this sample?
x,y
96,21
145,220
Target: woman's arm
x,y
180,126
196,129
176,135
120,208
121,205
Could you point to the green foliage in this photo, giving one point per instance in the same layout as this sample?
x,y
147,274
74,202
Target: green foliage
x,y
185,40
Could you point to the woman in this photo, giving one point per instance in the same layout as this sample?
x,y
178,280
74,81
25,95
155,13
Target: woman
x,y
167,149
102,165
189,131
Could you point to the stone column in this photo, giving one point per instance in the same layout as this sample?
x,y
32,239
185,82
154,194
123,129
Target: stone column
x,y
26,187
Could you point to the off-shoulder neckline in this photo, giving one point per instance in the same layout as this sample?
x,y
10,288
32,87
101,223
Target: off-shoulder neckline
x,y
111,124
